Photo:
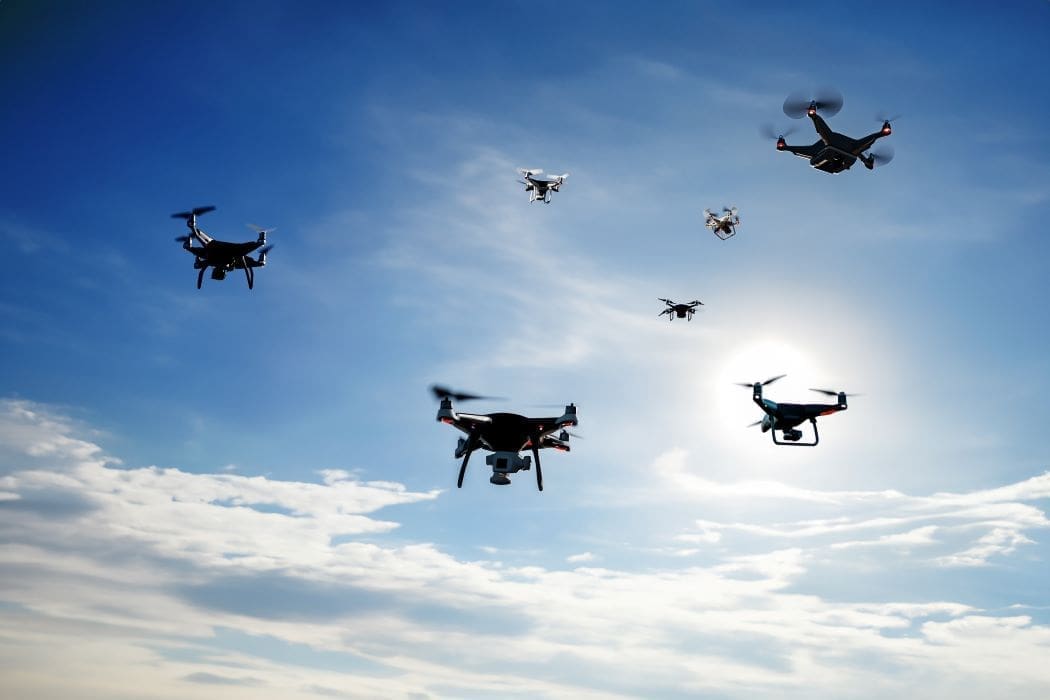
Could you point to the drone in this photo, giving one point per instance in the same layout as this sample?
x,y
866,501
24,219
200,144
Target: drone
x,y
540,189
505,435
785,417
834,152
221,256
685,311
722,226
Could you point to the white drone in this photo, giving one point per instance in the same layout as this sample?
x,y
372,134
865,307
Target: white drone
x,y
540,188
722,226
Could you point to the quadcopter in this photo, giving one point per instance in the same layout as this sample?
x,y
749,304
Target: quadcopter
x,y
834,152
785,417
505,435
221,256
685,311
539,188
722,226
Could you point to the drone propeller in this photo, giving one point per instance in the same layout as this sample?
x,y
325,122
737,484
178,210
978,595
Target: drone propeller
x,y
667,301
260,230
757,422
561,178
881,117
530,171
442,392
829,392
765,383
826,100
266,250
883,156
187,215
182,239
772,133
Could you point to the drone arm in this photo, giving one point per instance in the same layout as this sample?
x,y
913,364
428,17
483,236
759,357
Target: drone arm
x,y
823,130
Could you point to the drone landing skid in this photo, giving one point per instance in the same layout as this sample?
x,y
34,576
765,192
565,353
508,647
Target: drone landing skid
x,y
795,443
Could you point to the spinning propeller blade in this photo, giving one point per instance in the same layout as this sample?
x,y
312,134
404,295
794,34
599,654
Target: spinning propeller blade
x,y
765,383
182,239
530,171
881,117
829,392
194,212
441,392
772,133
260,229
827,100
883,156
757,422
266,250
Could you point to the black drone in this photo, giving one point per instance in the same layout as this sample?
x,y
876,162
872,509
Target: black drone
x,y
221,256
505,435
834,152
786,416
685,311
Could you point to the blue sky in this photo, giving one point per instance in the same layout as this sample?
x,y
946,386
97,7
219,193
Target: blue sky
x,y
248,490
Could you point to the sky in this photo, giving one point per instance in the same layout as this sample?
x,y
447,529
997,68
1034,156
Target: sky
x,y
247,493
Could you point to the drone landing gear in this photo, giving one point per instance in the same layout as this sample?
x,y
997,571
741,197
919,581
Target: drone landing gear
x,y
539,471
791,436
463,469
248,272
200,277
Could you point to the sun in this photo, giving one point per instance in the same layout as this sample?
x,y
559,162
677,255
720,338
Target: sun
x,y
756,360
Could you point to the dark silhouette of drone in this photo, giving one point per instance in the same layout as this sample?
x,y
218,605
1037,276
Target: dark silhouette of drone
x,y
834,152
221,256
505,435
785,417
685,311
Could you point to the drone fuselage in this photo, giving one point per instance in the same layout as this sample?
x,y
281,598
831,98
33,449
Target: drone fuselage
x,y
835,152
224,257
723,227
786,417
506,435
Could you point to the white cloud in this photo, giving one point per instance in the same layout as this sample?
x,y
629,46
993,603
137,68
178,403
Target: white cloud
x,y
158,578
991,522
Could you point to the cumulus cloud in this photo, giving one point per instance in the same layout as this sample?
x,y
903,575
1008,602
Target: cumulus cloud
x,y
184,582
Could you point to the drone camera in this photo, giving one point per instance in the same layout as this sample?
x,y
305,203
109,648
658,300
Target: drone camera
x,y
503,463
793,435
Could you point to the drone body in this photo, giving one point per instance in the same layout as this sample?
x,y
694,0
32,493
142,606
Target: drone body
x,y
722,226
834,152
685,311
505,435
786,417
540,188
221,256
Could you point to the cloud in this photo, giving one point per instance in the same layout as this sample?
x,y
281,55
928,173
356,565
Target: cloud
x,y
991,522
181,582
